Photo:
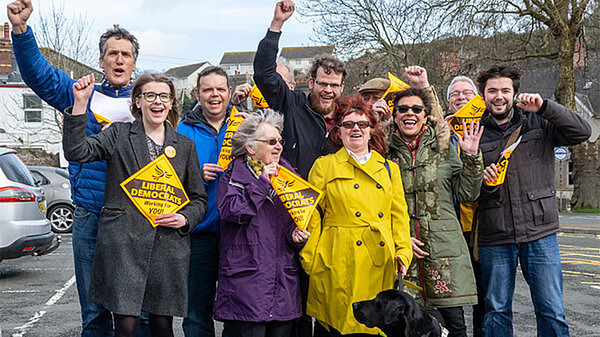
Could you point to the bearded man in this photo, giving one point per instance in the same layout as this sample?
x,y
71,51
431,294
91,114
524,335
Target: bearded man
x,y
307,119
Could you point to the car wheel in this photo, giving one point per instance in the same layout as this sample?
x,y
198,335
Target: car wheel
x,y
61,218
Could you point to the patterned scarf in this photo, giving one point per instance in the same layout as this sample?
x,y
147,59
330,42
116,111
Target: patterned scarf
x,y
413,144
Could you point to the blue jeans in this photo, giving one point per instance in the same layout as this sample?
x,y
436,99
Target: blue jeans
x,y
204,266
540,263
95,320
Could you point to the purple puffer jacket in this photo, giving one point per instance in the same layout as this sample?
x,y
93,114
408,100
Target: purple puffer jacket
x,y
258,269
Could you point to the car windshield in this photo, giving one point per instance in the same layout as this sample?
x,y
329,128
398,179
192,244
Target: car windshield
x,y
15,170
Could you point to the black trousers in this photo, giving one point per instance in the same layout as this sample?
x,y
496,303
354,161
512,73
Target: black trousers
x,y
259,329
454,319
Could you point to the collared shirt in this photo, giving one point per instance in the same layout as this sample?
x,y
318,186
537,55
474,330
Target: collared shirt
x,y
362,160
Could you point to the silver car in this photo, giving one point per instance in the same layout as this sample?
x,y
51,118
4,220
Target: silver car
x,y
57,188
24,229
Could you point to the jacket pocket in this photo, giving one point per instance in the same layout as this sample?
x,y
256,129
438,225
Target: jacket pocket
x,y
231,271
445,236
543,205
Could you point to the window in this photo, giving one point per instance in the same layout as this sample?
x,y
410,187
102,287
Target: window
x,y
32,105
298,62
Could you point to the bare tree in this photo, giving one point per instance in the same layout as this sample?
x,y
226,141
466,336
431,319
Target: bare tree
x,y
436,33
68,36
390,28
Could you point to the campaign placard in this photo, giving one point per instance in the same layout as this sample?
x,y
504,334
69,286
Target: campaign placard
x,y
396,85
502,164
234,123
155,189
298,196
470,112
258,98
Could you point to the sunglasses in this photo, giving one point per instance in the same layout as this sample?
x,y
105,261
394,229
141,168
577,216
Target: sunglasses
x,y
404,108
272,141
351,124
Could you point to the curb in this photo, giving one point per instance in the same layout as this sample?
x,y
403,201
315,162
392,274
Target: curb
x,y
581,229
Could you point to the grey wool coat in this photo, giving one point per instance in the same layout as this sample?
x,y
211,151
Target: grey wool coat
x,y
137,267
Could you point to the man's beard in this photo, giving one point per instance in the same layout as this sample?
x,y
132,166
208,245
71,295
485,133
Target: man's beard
x,y
504,115
316,105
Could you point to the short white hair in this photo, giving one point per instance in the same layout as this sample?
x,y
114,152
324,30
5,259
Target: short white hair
x,y
460,79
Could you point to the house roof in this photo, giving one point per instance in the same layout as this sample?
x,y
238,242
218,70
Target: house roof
x,y
68,64
305,52
184,71
240,57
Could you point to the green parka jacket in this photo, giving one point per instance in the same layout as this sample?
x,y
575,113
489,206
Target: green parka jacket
x,y
429,179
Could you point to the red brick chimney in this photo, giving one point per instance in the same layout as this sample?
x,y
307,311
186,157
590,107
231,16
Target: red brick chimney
x,y
5,52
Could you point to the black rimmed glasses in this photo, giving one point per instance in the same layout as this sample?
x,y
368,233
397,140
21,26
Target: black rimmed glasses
x,y
404,108
331,85
351,124
150,96
272,141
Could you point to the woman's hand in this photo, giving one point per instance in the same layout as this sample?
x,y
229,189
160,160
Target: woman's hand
x,y
82,90
171,220
417,251
470,142
403,268
299,235
269,170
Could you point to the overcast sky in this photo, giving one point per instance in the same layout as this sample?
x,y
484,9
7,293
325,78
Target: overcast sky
x,y
178,32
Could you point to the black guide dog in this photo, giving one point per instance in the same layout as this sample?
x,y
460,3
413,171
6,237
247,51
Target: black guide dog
x,y
397,314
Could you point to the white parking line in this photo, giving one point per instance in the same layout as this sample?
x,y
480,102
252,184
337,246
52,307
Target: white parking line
x,y
22,330
595,287
19,291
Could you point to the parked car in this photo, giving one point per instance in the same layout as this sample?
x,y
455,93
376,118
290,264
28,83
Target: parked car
x,y
24,229
57,188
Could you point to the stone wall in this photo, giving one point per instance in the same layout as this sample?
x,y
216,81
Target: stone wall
x,y
38,157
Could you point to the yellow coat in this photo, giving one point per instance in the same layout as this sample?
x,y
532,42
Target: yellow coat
x,y
351,254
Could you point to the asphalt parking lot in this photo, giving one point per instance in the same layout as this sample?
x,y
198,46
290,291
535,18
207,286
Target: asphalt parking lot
x,y
38,296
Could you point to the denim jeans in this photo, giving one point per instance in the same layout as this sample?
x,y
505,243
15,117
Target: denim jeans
x,y
95,320
204,264
540,264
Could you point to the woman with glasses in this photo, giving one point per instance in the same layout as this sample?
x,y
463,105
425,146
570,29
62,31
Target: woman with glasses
x,y
258,291
138,265
431,172
360,237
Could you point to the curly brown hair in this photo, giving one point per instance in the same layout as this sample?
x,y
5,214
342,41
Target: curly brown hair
x,y
330,64
356,104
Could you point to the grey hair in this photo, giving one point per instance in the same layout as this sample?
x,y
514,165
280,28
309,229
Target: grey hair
x,y
247,132
282,61
119,33
460,79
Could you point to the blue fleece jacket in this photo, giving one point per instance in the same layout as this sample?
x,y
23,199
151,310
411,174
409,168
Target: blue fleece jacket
x,y
55,87
208,145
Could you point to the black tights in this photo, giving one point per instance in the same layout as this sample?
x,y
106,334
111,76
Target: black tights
x,y
129,326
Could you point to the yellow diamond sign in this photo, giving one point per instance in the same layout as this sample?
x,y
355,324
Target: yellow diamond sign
x,y
155,189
